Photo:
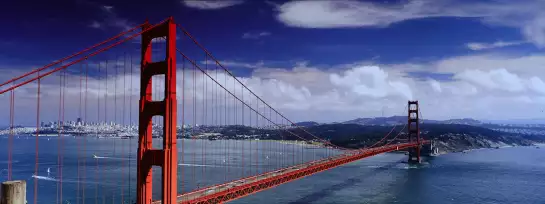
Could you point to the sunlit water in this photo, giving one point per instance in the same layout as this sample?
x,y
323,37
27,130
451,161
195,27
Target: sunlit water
x,y
507,175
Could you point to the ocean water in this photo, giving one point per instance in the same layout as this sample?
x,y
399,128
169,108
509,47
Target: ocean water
x,y
104,170
495,176
507,175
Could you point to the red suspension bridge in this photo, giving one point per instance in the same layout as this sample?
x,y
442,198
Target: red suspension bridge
x,y
203,134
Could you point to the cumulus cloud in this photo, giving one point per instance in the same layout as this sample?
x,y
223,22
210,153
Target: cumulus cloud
x,y
210,4
461,88
370,81
525,15
537,85
482,87
485,46
435,85
493,79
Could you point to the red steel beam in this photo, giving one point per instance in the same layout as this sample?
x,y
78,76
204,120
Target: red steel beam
x,y
167,157
247,186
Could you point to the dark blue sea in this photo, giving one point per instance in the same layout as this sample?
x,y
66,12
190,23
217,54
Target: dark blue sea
x,y
103,171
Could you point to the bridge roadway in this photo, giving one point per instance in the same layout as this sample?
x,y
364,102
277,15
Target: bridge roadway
x,y
246,186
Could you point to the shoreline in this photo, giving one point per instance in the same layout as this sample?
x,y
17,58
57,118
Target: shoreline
x,y
485,148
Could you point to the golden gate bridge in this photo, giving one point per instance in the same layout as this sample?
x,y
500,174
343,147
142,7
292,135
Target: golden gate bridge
x,y
177,81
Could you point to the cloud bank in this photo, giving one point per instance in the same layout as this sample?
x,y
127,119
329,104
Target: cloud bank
x,y
525,15
481,86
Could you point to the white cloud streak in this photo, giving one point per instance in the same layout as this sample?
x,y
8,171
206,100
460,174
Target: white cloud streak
x,y
499,44
111,19
236,64
255,35
211,4
525,15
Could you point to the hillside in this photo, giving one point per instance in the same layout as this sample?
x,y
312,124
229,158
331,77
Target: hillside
x,y
393,120
448,137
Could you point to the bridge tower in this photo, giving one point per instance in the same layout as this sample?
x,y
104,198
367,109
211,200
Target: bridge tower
x,y
166,157
413,130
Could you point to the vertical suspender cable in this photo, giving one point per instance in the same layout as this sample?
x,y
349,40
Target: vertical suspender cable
x,y
204,126
37,135
194,125
106,125
62,127
123,151
114,124
85,125
10,140
182,176
78,142
130,124
97,129
243,128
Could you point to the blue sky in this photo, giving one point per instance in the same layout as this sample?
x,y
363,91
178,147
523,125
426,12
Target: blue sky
x,y
338,59
60,27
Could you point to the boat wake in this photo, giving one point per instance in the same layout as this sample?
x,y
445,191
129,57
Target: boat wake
x,y
116,158
46,178
197,165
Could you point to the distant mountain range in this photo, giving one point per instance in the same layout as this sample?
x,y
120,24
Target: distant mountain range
x,y
307,124
517,121
393,120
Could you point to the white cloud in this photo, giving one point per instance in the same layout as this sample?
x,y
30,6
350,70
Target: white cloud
x,y
111,19
435,85
235,64
211,4
493,79
462,88
537,85
483,86
499,44
108,8
255,35
525,15
95,24
370,81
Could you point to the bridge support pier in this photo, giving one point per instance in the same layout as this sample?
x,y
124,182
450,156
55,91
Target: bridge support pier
x,y
414,156
414,132
166,157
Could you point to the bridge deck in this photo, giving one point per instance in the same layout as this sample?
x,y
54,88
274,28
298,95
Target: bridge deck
x,y
245,186
224,187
